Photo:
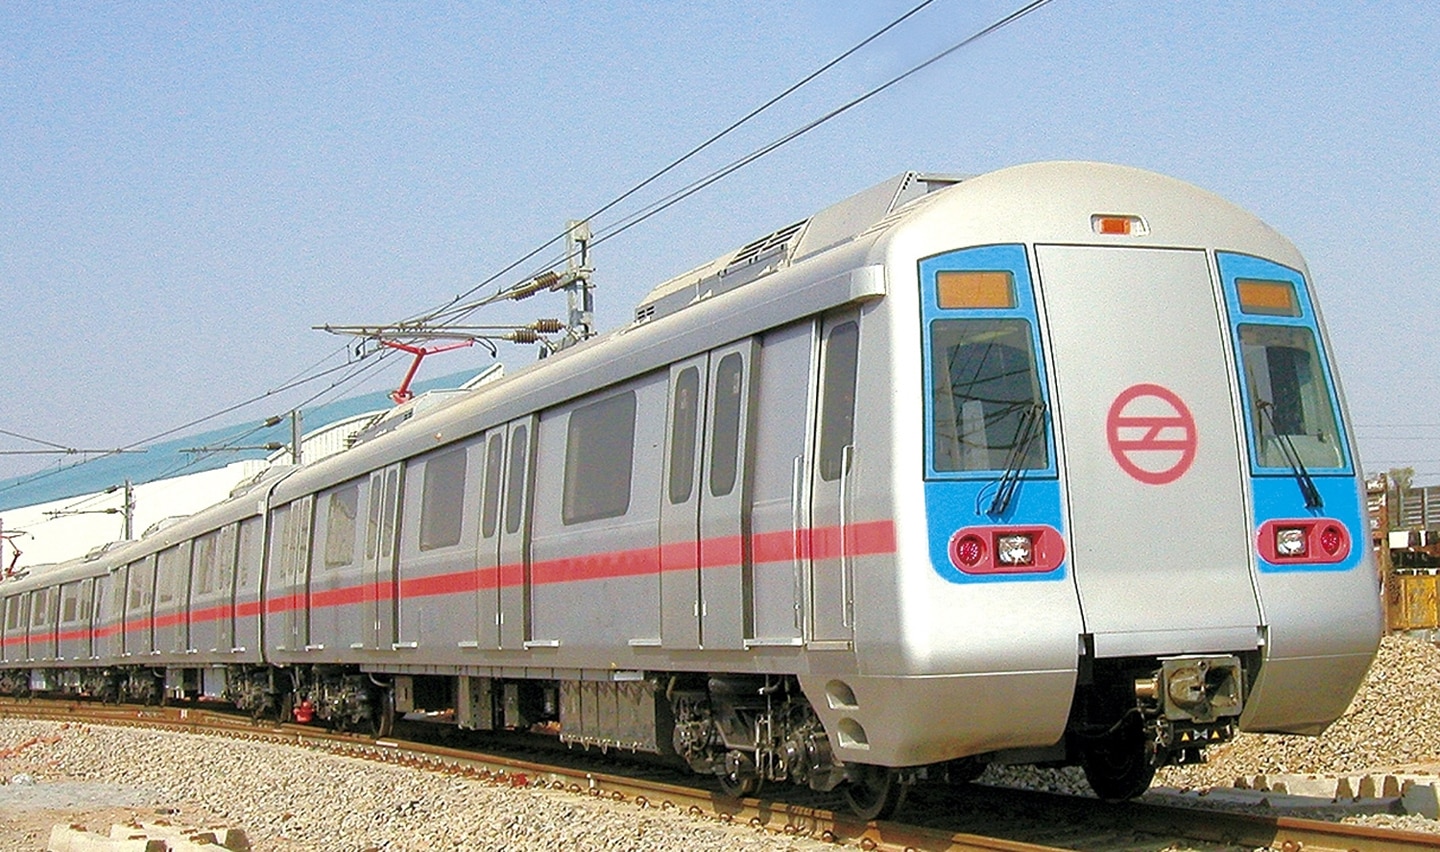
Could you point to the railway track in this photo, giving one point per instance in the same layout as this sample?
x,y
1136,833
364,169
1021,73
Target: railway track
x,y
937,818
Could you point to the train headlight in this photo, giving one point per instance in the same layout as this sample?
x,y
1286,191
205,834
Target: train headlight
x,y
1015,550
1290,541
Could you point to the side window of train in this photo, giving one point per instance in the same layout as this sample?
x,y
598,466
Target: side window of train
x,y
599,455
249,548
136,592
70,603
341,510
515,487
837,416
203,561
724,449
12,613
494,460
443,498
169,575
39,607
682,435
87,599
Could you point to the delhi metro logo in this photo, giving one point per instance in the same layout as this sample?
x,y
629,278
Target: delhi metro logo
x,y
1151,433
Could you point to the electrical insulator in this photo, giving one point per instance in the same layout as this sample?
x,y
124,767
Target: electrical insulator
x,y
547,326
523,335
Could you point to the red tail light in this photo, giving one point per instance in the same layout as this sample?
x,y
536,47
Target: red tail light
x,y
1331,539
968,550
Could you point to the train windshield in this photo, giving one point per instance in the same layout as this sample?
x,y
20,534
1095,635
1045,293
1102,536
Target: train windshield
x,y
985,396
1289,397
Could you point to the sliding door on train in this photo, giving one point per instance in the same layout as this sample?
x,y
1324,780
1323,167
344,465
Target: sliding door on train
x,y
1158,530
382,533
705,565
831,583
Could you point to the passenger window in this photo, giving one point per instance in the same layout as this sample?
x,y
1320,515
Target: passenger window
x,y
599,452
137,594
225,560
837,417
12,613
515,488
724,448
248,547
69,605
387,513
169,575
1289,395
984,390
443,497
372,529
204,561
39,607
340,513
494,458
683,421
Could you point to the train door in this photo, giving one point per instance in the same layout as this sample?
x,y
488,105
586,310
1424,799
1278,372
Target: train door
x,y
172,593
680,510
90,599
487,592
830,581
295,573
249,576
115,612
225,560
9,614
42,624
382,533
139,610
514,550
1158,532
726,577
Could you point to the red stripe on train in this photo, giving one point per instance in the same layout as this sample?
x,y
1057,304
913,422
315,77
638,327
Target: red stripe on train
x,y
864,539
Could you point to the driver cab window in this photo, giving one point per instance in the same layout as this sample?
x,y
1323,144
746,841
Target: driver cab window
x,y
1289,396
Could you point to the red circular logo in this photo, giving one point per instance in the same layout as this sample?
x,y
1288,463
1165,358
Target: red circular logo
x,y
1152,434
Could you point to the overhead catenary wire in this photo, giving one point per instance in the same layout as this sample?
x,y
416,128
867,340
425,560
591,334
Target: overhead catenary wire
x,y
454,313
457,312
677,162
358,368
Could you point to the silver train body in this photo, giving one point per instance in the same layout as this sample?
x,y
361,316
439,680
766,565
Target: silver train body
x,y
1046,465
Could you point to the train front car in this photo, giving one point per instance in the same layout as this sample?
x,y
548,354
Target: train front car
x,y
1140,525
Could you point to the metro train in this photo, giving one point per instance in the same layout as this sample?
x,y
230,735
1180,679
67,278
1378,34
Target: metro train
x,y
1048,465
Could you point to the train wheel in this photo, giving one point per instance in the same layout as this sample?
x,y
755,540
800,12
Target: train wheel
x,y
1116,766
874,792
382,716
739,778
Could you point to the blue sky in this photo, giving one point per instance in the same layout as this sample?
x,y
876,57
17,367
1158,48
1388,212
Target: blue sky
x,y
185,189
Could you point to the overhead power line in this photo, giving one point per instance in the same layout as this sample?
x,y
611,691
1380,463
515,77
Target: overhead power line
x,y
455,312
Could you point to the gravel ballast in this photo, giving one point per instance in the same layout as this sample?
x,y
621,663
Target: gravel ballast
x,y
289,798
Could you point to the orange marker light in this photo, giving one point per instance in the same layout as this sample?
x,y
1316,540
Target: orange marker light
x,y
1268,298
1117,225
975,289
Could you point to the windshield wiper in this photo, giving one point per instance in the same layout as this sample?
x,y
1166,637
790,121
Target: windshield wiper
x,y
1030,428
1292,458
